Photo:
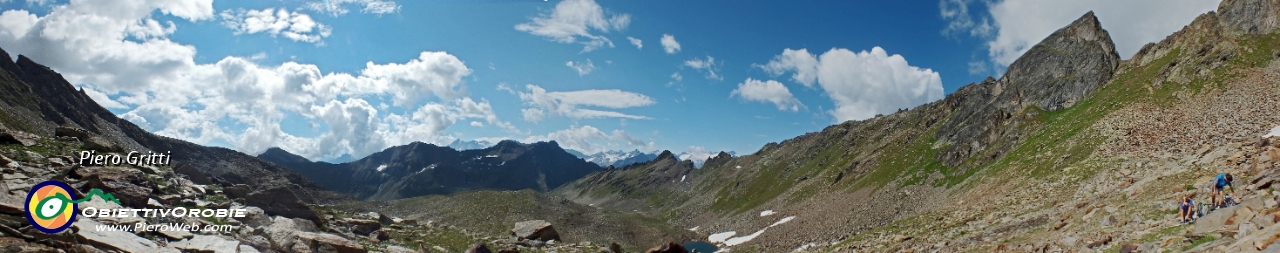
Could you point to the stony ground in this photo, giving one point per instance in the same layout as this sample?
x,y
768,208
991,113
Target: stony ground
x,y
1124,197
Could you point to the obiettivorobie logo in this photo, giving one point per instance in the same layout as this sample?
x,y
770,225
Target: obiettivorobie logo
x,y
52,208
51,205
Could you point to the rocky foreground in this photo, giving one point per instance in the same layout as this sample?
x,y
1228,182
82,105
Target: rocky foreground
x,y
27,159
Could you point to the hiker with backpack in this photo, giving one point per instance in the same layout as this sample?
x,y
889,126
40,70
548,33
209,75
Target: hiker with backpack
x,y
1219,183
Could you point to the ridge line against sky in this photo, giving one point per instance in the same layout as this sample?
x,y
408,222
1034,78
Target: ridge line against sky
x,y
328,79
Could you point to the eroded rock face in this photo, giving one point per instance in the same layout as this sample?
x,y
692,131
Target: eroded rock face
x,y
535,230
1063,69
1250,16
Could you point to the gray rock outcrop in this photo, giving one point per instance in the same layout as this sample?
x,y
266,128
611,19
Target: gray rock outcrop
x,y
535,230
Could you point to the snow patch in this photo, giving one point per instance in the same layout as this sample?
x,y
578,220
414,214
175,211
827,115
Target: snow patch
x,y
682,178
720,237
425,169
806,246
783,220
746,238
694,229
743,239
1274,132
382,167
766,213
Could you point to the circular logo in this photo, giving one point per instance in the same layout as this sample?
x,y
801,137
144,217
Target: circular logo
x,y
50,207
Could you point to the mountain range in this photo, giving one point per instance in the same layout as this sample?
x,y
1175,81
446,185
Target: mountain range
x,y
420,169
1073,149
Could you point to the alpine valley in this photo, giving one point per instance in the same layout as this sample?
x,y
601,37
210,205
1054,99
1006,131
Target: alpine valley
x,y
1072,149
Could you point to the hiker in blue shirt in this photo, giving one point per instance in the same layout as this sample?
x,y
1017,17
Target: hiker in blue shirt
x,y
1222,181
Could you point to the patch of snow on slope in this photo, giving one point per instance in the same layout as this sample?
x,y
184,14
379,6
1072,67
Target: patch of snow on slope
x,y
1274,132
382,167
742,239
746,238
766,213
720,237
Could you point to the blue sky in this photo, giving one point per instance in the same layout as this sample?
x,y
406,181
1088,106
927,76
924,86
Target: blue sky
x,y
350,77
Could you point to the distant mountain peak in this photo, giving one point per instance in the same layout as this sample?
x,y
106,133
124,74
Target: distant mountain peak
x,y
461,145
666,154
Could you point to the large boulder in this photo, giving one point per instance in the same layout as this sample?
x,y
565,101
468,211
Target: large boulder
x,y
615,248
478,248
362,226
19,137
113,239
128,185
281,201
535,230
237,191
379,235
283,232
207,244
1218,220
670,247
255,217
325,242
66,131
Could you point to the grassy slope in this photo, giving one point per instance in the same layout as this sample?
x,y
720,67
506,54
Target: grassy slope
x,y
1059,149
495,212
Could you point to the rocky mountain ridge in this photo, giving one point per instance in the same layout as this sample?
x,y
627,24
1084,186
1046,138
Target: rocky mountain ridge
x,y
619,158
419,169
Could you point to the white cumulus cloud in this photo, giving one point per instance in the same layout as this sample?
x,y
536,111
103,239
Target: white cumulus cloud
x,y
637,42
569,103
339,7
583,68
118,50
573,21
591,140
670,44
769,92
295,26
708,66
862,84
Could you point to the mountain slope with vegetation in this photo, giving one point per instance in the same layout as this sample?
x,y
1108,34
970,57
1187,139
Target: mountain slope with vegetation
x,y
1071,135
